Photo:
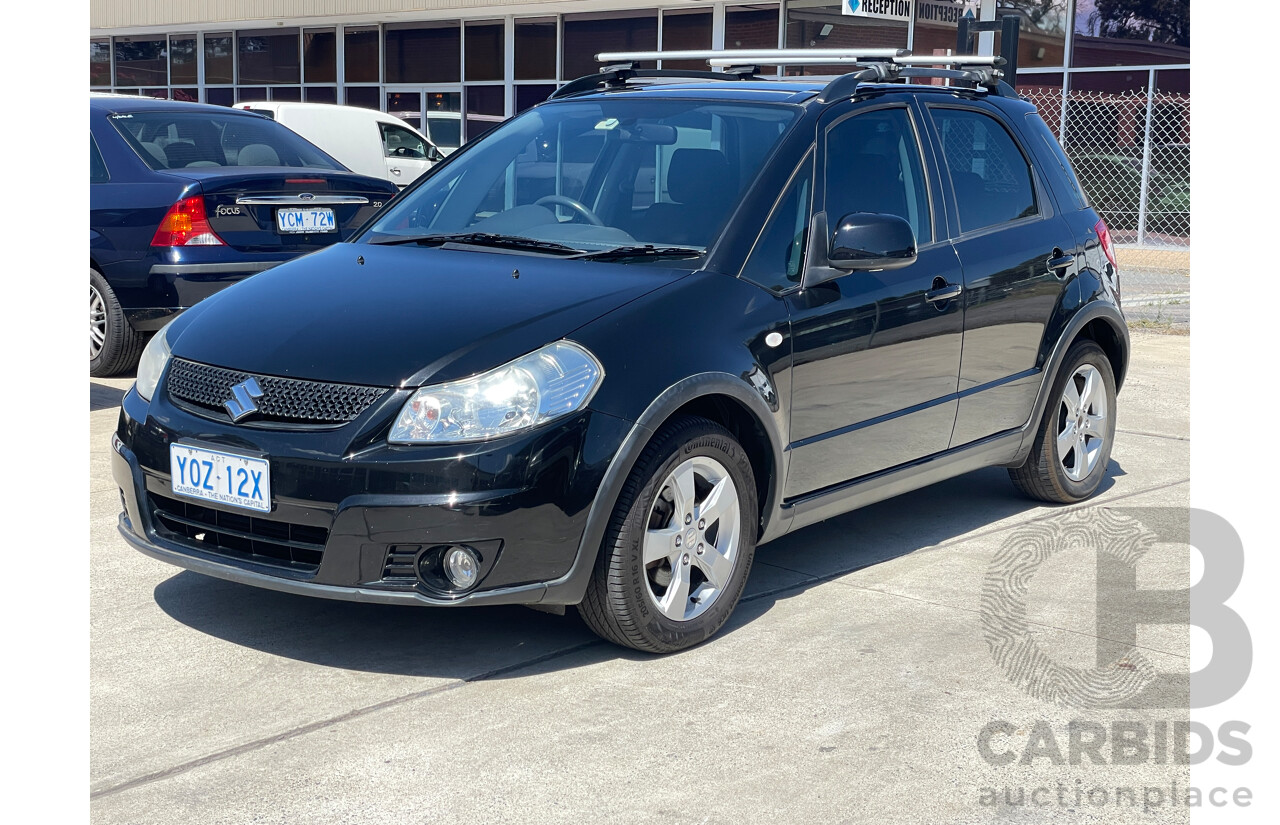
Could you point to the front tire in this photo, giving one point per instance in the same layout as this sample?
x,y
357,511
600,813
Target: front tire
x,y
679,545
1069,457
114,347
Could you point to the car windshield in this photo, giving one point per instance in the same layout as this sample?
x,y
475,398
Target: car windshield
x,y
598,176
191,139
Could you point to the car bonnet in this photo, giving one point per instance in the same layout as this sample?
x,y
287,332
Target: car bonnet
x,y
404,315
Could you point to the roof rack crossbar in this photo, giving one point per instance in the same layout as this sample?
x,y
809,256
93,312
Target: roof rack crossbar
x,y
868,66
742,56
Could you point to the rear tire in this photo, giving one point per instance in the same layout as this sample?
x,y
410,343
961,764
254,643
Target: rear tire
x,y
1069,457
679,544
114,346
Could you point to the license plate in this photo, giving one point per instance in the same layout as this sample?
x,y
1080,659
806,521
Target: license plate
x,y
225,478
313,219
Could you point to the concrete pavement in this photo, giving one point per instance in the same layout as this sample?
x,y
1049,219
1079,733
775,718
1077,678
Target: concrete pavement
x,y
851,685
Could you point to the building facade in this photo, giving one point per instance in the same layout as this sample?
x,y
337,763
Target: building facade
x,y
1111,77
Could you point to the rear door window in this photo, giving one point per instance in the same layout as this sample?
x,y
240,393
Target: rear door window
x,y
990,175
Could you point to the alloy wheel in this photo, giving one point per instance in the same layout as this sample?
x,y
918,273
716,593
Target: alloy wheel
x,y
691,544
97,322
1082,422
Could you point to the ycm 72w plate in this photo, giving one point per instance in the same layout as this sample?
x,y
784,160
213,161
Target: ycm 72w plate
x,y
224,478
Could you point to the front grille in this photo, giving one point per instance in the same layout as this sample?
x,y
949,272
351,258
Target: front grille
x,y
288,400
298,546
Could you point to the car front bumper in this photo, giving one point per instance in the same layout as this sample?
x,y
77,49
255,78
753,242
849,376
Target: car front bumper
x,y
365,517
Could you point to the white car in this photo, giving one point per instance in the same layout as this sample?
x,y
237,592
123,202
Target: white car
x,y
364,140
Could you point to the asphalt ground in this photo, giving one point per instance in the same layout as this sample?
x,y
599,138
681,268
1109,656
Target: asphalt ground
x,y
853,683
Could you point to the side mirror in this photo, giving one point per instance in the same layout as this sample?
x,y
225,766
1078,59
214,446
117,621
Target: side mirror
x,y
867,240
434,154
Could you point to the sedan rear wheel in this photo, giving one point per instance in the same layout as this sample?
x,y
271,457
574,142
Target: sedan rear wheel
x,y
679,546
114,346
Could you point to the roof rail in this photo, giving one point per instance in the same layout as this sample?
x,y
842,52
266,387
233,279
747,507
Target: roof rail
x,y
616,76
867,65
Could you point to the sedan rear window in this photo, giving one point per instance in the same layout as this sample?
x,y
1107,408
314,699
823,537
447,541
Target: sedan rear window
x,y
185,140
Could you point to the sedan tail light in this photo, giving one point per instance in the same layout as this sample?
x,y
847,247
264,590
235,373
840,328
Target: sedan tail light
x,y
1104,237
185,224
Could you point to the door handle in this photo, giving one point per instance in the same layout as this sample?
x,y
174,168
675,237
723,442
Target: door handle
x,y
1059,261
395,171
945,292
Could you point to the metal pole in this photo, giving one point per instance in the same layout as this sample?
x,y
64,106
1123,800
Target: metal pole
x,y
987,40
1066,72
1146,159
200,81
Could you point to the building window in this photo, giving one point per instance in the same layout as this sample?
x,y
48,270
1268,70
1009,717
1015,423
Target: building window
x,y
823,26
182,60
141,61
320,94
684,29
364,96
530,95
268,56
485,109
423,52
360,58
219,59
319,56
535,49
485,44
585,35
100,62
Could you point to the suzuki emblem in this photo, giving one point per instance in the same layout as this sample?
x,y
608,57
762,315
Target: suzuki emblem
x,y
244,398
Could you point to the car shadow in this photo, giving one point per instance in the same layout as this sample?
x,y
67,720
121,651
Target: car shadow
x,y
472,643
102,396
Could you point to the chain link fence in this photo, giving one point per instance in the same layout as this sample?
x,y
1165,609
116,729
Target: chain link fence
x,y
1132,154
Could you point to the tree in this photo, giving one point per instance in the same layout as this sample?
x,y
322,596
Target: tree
x,y
1157,21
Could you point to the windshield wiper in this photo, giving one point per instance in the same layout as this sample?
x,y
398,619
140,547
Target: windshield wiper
x,y
481,239
646,251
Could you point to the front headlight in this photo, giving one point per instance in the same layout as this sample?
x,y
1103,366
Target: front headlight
x,y
152,364
556,380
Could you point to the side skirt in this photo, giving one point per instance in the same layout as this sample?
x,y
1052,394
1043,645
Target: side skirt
x,y
996,450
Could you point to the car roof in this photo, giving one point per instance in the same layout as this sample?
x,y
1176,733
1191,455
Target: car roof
x,y
135,103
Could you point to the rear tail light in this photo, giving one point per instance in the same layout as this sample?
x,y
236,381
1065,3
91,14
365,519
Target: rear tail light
x,y
1104,238
185,224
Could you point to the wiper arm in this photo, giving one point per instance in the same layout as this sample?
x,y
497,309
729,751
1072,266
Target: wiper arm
x,y
646,251
481,239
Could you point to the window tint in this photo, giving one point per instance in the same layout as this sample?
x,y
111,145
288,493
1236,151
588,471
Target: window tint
x,y
1068,177
180,139
777,259
873,165
991,177
399,142
97,169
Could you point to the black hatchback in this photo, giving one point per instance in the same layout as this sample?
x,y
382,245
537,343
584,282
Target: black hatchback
x,y
600,355
186,199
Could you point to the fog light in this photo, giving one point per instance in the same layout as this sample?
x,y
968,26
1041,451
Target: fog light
x,y
462,567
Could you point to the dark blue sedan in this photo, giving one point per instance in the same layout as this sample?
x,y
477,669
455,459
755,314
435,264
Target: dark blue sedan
x,y
186,199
